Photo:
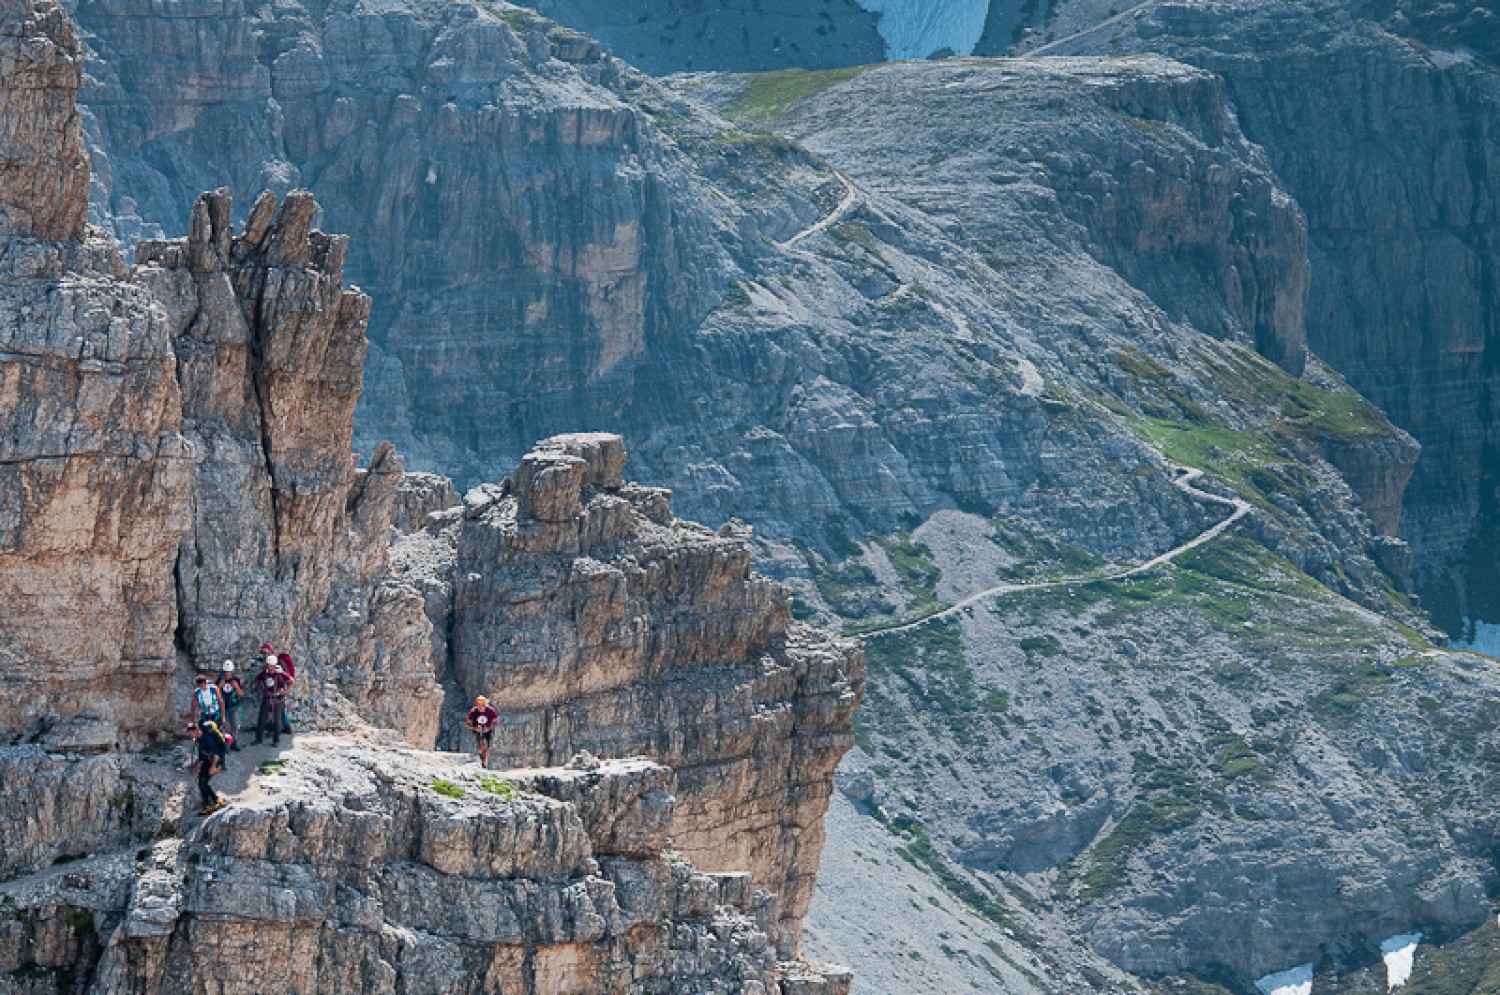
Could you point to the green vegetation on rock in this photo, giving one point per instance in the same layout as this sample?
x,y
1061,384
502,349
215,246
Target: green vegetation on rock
x,y
768,94
447,788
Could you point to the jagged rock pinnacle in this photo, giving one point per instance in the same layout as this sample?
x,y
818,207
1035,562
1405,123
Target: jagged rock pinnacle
x,y
44,169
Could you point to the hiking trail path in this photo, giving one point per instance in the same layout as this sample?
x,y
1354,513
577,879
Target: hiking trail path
x,y
1183,482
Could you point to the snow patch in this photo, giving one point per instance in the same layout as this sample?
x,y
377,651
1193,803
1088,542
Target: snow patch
x,y
1297,981
1399,953
1484,637
915,29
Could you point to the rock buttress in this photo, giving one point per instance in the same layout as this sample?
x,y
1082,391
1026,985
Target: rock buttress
x,y
350,871
288,540
594,620
92,481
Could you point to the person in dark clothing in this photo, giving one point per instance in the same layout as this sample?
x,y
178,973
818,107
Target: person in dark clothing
x,y
233,692
482,721
272,685
211,752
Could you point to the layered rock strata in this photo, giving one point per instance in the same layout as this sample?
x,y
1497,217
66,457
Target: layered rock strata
x,y
596,621
199,411
876,354
92,470
1396,170
288,539
347,870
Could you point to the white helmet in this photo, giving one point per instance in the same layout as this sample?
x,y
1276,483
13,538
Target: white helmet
x,y
228,666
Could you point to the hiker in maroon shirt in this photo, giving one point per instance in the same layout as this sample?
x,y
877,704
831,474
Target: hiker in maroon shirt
x,y
288,668
272,685
482,721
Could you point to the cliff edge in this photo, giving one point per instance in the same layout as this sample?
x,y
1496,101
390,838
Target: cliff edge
x,y
177,485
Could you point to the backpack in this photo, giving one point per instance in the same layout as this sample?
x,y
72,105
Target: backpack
x,y
214,740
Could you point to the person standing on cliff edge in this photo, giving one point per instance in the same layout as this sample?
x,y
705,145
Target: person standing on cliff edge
x,y
482,721
233,692
272,684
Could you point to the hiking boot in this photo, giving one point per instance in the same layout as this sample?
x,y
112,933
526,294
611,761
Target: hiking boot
x,y
218,804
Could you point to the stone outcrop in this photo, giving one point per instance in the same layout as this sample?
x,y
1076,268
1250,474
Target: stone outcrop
x,y
92,471
596,621
44,170
349,870
269,350
179,486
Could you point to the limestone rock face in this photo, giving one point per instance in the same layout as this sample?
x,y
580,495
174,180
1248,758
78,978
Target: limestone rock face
x,y
655,255
179,485
92,471
595,621
1396,168
288,542
270,348
44,169
348,871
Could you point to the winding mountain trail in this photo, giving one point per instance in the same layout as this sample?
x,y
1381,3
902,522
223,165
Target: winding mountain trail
x,y
1119,18
1183,483
853,199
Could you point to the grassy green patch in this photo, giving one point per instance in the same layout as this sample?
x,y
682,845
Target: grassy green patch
x,y
913,561
1350,691
757,140
447,788
1469,965
1253,460
737,295
1040,557
81,921
918,851
927,663
850,589
1041,647
768,94
1234,760
495,786
271,767
1174,801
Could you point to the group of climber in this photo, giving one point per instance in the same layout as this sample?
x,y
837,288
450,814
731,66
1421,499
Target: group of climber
x,y
218,703
217,710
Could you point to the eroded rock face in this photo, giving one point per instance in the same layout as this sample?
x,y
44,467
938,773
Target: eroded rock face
x,y
288,540
270,347
44,169
348,871
180,469
596,621
1396,170
92,470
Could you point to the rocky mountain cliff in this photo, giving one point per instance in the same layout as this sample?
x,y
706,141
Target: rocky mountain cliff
x,y
183,487
1378,119
1396,170
957,336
